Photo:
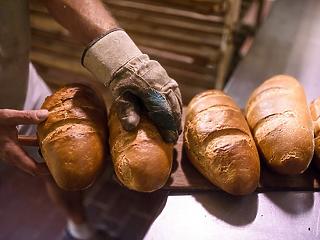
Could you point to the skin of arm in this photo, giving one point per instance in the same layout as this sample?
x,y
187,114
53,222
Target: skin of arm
x,y
85,19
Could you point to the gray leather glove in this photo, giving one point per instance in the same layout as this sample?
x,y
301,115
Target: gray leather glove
x,y
136,82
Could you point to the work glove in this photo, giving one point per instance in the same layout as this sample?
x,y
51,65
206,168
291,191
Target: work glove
x,y
136,83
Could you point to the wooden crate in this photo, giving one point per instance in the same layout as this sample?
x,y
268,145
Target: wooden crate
x,y
192,39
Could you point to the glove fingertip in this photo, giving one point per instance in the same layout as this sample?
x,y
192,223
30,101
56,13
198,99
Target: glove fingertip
x,y
129,123
169,136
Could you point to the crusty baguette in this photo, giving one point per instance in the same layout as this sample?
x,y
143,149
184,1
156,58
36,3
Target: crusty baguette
x,y
280,120
219,144
315,114
142,160
72,139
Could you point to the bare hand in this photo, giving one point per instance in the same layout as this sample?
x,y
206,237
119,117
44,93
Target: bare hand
x,y
10,150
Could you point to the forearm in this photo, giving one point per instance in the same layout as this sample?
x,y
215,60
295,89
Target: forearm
x,y
85,19
116,61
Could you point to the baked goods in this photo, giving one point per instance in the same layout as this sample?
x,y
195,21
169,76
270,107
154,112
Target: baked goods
x,y
280,120
315,114
219,144
142,160
72,139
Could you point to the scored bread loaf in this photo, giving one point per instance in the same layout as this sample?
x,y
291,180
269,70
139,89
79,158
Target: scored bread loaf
x,y
315,113
142,160
73,138
219,144
279,117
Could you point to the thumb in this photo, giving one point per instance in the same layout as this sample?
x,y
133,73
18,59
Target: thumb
x,y
16,117
128,111
16,156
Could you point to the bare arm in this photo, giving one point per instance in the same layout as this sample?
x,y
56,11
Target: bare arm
x,y
85,19
115,56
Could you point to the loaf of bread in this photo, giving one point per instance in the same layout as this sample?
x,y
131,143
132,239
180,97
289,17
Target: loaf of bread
x,y
315,114
218,142
73,138
142,160
280,120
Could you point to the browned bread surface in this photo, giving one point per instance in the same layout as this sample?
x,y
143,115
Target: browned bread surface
x,y
72,139
315,113
280,120
219,144
142,160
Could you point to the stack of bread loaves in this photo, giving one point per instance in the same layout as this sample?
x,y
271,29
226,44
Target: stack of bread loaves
x,y
217,138
219,143
72,142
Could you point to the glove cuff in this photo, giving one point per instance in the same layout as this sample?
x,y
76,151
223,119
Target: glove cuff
x,y
104,56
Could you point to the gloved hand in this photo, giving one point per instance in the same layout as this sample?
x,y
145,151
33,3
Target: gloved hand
x,y
10,151
135,81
